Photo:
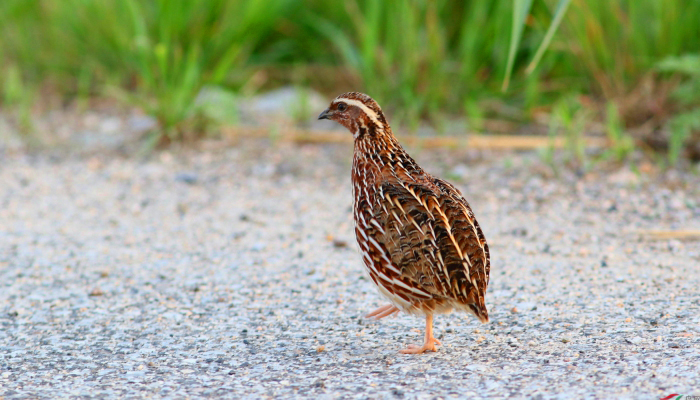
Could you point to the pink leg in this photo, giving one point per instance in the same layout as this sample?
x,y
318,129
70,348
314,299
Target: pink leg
x,y
430,341
383,311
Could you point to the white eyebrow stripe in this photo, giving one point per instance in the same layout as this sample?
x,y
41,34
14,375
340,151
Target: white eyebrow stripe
x,y
370,113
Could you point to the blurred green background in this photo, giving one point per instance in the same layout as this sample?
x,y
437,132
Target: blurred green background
x,y
626,69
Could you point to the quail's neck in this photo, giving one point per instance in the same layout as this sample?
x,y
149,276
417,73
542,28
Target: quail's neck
x,y
375,159
372,144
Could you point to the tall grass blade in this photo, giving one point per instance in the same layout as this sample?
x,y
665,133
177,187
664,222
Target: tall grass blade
x,y
558,16
521,8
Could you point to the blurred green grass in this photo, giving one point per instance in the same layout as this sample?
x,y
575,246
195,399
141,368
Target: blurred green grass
x,y
422,60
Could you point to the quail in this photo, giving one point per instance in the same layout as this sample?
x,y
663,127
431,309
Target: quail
x,y
418,236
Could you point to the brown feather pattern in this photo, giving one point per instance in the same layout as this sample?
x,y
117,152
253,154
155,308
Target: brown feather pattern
x,y
420,241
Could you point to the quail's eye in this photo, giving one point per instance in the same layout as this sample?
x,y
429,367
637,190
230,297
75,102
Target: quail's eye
x,y
342,106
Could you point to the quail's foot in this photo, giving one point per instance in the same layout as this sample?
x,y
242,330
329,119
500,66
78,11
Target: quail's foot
x,y
429,345
383,311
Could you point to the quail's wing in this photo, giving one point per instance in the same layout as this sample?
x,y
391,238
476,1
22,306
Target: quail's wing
x,y
474,246
432,240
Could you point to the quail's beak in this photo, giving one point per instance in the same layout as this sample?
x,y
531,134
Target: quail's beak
x,y
326,114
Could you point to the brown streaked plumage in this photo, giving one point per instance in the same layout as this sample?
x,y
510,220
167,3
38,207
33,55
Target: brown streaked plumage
x,y
418,236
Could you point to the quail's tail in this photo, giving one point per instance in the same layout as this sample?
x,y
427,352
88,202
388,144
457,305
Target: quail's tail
x,y
479,310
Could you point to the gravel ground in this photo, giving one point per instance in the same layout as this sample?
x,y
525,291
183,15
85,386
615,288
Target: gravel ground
x,y
232,271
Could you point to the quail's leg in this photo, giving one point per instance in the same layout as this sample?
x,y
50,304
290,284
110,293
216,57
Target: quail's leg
x,y
383,311
430,341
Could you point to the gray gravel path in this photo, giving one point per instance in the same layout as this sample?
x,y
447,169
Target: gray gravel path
x,y
233,272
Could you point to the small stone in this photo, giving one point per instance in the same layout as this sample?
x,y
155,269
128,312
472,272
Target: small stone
x,y
634,340
519,232
337,243
186,177
258,246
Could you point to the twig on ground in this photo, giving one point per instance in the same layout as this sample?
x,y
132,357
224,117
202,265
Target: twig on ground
x,y
516,142
664,235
